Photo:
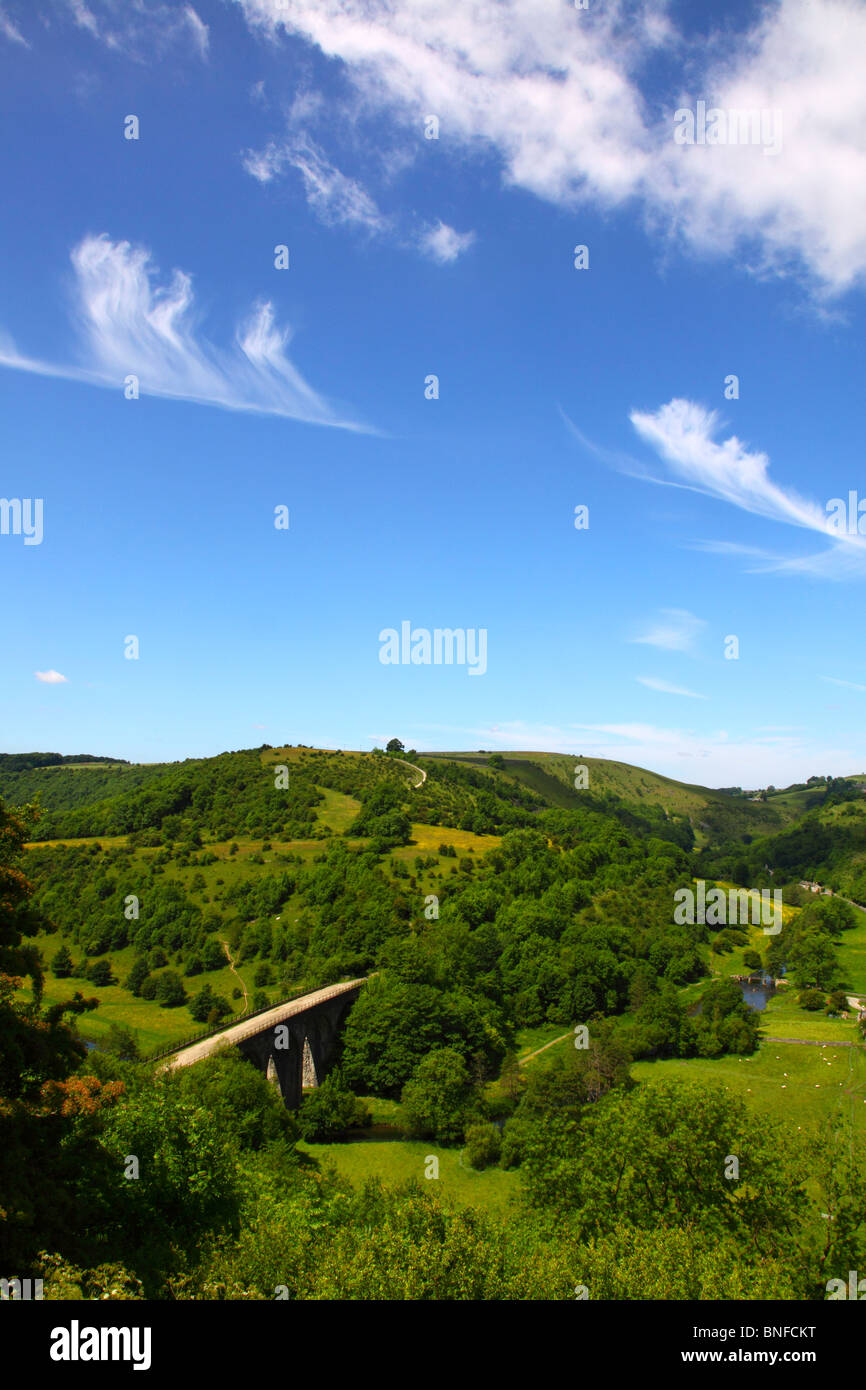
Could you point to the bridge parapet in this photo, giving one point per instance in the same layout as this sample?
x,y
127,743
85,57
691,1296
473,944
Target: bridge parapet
x,y
314,1020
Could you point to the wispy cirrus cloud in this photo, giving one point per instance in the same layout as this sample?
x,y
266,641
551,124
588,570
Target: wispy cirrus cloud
x,y
674,630
9,29
849,685
128,324
334,196
666,688
138,28
682,435
337,199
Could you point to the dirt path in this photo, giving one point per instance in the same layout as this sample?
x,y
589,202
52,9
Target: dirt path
x,y
225,946
523,1060
419,770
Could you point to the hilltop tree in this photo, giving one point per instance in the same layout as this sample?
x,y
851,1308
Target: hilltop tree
x,y
395,746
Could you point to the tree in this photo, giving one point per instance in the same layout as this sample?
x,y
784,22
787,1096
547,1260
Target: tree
x,y
394,746
330,1110
483,1144
207,1007
812,999
121,1042
100,973
61,964
437,1100
213,956
138,973
169,990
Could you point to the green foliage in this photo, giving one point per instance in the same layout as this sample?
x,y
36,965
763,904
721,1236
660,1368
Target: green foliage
x,y
330,1111
437,1100
169,990
812,999
207,1007
483,1144
100,973
61,963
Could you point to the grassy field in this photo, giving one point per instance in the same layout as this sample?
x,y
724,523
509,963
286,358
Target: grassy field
x,y
803,1085
396,1160
852,955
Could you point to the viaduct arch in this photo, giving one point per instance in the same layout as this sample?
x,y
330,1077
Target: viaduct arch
x,y
294,1043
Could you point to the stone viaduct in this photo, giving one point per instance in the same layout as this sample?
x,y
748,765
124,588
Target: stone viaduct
x,y
294,1044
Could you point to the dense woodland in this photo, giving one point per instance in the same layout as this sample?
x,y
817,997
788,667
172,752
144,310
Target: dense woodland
x,y
565,919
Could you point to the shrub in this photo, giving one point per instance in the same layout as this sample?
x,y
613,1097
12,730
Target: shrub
x,y
483,1144
811,999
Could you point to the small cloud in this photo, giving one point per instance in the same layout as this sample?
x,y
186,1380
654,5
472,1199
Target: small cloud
x,y
198,29
51,678
137,30
443,244
334,197
11,31
667,689
850,685
675,631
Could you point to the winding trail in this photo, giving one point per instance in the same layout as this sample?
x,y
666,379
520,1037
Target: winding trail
x,y
225,946
419,770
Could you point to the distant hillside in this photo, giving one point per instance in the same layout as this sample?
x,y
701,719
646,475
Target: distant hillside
x,y
713,815
21,762
481,793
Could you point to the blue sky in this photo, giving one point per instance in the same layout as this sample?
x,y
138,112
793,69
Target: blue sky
x,y
304,387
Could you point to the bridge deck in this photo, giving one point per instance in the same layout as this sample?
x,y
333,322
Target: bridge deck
x,y
236,1032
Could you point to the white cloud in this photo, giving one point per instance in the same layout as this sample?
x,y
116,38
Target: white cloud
x,y
51,677
139,28
129,325
681,433
666,688
11,31
444,244
555,94
334,197
675,631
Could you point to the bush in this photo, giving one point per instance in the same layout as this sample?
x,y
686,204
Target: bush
x,y
483,1144
100,973
61,964
207,1007
437,1099
147,989
812,999
213,957
328,1112
137,976
169,990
